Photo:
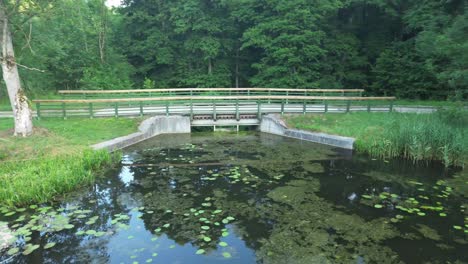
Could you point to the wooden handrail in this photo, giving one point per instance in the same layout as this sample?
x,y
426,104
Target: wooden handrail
x,y
207,90
196,98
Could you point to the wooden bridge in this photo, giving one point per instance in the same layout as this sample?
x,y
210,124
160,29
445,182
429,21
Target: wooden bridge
x,y
209,106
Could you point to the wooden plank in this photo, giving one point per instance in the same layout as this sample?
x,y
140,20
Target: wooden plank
x,y
207,90
223,98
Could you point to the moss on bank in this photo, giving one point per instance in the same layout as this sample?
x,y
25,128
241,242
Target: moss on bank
x,y
56,159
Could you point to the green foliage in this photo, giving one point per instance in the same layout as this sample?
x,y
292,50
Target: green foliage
x,y
149,84
400,71
101,77
411,49
74,43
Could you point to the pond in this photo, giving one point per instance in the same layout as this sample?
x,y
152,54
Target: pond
x,y
247,198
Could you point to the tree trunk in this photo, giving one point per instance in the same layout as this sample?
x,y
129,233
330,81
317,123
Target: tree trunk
x,y
237,68
210,67
103,32
19,102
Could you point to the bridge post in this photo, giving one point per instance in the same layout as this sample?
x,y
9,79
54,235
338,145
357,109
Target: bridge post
x,y
214,110
326,106
391,107
237,110
64,111
141,108
282,107
116,109
167,108
348,106
38,108
91,114
191,109
304,107
259,110
368,106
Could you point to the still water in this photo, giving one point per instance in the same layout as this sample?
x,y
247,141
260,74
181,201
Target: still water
x,y
250,198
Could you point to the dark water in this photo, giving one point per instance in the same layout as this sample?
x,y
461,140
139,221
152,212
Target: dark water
x,y
250,198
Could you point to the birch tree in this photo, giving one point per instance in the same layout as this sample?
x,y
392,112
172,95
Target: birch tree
x,y
19,102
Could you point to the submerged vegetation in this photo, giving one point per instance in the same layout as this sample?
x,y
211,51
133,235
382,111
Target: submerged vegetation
x,y
419,137
56,159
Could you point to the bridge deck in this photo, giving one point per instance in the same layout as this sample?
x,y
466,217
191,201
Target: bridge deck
x,y
209,101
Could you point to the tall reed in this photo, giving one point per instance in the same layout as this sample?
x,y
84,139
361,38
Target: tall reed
x,y
440,136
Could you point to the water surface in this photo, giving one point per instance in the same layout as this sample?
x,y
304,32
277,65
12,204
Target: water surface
x,y
251,198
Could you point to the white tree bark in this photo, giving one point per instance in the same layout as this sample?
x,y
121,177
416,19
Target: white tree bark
x,y
19,102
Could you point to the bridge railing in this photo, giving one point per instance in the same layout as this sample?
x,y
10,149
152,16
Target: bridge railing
x,y
209,105
137,93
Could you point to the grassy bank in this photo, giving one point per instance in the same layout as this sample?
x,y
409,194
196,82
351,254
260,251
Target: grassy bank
x,y
56,159
441,136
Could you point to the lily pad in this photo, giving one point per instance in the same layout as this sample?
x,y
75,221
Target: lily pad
x,y
378,206
49,245
10,213
100,234
225,234
200,251
223,244
13,251
227,255
207,239
29,249
205,227
91,232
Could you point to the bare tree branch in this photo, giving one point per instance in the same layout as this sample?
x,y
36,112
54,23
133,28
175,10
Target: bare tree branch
x,y
20,65
30,68
27,37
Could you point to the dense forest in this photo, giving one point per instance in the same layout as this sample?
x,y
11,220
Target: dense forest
x,y
408,48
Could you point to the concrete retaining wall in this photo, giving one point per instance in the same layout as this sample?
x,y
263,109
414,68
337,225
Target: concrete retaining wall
x,y
149,128
273,125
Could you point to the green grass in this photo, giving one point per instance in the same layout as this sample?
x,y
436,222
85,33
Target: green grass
x,y
5,105
41,180
405,102
56,159
426,137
